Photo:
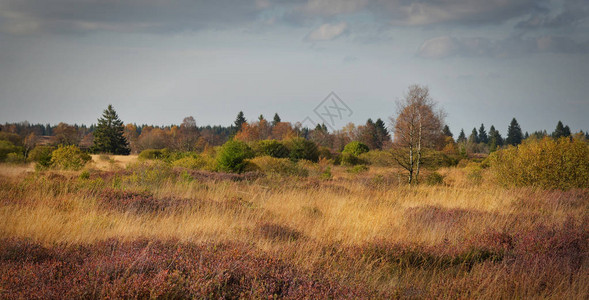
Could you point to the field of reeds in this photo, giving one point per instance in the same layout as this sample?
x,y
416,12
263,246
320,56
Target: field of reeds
x,y
150,230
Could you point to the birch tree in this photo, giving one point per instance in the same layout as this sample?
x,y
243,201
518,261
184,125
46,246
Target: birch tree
x,y
418,125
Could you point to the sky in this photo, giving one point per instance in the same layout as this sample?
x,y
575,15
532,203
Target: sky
x,y
158,61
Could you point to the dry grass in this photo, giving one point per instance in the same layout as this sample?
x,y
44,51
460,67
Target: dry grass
x,y
112,162
312,224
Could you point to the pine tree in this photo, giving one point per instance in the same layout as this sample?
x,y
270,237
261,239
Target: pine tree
x,y
446,131
382,133
473,138
483,137
239,121
514,134
559,131
567,131
369,135
461,137
108,135
261,117
276,119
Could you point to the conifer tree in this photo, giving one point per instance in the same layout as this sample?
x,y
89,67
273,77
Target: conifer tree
x,y
514,134
382,133
239,121
446,131
276,119
461,137
108,135
483,137
567,131
473,137
559,131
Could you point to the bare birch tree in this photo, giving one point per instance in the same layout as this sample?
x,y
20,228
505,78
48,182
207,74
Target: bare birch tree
x,y
418,125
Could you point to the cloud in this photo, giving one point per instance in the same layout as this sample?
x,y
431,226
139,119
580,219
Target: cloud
x,y
154,16
420,13
327,32
334,7
572,13
446,46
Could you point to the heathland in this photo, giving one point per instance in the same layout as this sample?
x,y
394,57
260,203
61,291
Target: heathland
x,y
128,228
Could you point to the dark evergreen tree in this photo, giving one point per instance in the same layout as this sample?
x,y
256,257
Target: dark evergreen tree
x,y
495,139
483,137
446,131
276,119
514,134
382,133
567,131
239,121
261,117
108,135
559,131
369,135
473,137
526,135
461,137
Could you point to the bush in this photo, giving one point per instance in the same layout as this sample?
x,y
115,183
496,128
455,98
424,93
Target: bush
x,y
547,163
474,172
154,154
325,153
378,158
41,155
434,178
280,166
15,158
197,162
69,158
349,159
232,156
271,148
357,169
7,147
356,148
301,148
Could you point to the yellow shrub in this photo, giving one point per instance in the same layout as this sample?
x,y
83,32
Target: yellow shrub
x,y
280,166
546,163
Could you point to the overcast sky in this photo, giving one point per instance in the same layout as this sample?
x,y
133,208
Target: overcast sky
x,y
158,61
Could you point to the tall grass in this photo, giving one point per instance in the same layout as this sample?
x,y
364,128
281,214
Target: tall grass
x,y
364,231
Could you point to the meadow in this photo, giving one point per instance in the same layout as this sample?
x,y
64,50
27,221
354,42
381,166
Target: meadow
x,y
128,228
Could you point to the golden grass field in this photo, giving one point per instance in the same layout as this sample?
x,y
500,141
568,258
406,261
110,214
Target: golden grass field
x,y
362,231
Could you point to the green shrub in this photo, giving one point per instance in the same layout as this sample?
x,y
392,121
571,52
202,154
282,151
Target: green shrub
x,y
546,163
85,175
41,155
154,154
232,156
349,159
271,148
326,174
279,166
357,169
69,158
7,147
378,158
301,148
434,160
434,178
356,148
198,162
14,158
325,153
